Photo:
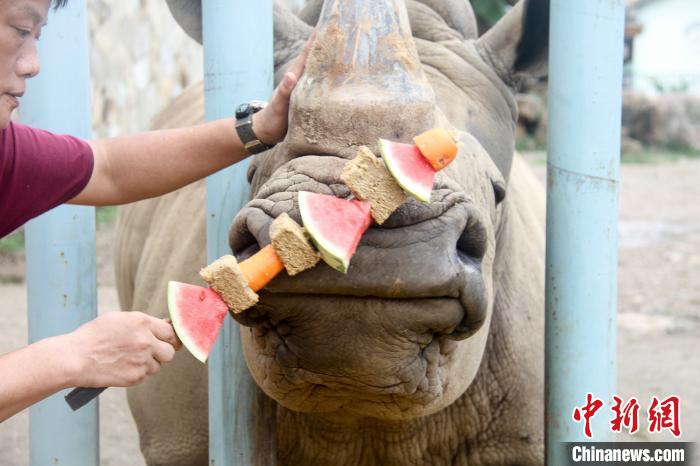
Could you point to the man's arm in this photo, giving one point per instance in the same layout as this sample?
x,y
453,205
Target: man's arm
x,y
131,168
118,349
30,375
146,165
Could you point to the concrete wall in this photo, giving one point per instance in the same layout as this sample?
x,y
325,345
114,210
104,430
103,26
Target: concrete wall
x,y
140,60
667,51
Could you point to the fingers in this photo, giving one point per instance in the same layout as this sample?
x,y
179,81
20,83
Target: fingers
x,y
166,342
297,67
121,349
289,81
163,352
271,123
178,342
163,330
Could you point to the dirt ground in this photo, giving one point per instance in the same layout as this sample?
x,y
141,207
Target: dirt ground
x,y
658,318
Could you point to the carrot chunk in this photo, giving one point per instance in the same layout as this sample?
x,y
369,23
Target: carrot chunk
x,y
437,146
259,269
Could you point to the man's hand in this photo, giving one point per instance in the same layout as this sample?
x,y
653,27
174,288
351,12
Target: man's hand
x,y
119,349
270,123
116,349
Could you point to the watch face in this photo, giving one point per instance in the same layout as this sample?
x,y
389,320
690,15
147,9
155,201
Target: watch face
x,y
257,105
242,111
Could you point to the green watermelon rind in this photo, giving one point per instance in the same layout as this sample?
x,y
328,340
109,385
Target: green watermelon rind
x,y
178,325
416,191
334,259
336,262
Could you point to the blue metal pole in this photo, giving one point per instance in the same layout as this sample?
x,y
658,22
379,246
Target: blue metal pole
x,y
237,38
585,94
60,245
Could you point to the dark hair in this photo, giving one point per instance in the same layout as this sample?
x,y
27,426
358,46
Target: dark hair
x,y
59,3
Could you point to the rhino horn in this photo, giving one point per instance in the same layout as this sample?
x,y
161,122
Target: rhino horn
x,y
363,80
457,14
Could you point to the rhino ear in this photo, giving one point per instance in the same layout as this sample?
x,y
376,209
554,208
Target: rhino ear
x,y
517,46
290,32
311,12
188,14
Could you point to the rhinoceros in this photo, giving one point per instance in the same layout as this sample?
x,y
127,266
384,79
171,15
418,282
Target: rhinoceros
x,y
429,351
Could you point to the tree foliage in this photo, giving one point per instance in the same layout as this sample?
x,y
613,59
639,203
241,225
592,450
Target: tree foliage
x,y
490,11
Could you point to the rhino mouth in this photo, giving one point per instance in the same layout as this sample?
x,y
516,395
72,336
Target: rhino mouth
x,y
422,253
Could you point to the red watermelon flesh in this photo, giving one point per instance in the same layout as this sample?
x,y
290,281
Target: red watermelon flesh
x,y
335,226
410,169
197,314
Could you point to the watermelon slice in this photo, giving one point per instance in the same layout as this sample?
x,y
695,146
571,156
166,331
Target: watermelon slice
x,y
197,314
335,226
411,170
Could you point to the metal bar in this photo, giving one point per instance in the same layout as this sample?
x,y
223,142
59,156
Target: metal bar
x,y
237,38
585,94
61,284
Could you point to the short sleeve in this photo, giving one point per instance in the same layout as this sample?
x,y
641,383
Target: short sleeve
x,y
39,170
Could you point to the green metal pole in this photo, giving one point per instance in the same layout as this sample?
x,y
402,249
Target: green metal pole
x,y
238,67
585,94
60,244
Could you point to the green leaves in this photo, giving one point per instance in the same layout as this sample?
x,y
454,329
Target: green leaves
x,y
489,11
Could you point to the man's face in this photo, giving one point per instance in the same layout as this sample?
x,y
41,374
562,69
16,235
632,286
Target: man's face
x,y
20,26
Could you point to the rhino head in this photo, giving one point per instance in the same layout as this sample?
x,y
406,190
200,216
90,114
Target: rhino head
x,y
404,333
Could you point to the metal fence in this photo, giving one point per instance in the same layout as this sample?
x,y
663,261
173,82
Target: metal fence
x,y
585,98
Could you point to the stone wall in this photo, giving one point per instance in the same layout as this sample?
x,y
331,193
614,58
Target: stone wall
x,y
140,59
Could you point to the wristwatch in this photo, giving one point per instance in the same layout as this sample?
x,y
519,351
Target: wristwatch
x,y
244,127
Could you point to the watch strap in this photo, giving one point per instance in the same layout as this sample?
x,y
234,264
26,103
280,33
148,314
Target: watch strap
x,y
251,142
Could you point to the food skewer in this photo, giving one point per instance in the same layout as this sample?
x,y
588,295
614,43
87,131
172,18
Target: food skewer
x,y
235,284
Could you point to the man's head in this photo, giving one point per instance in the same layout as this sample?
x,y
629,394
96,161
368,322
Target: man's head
x,y
21,22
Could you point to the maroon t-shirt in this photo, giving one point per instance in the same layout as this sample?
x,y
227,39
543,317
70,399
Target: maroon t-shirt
x,y
38,171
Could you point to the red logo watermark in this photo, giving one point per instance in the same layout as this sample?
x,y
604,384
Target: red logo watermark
x,y
586,412
665,415
626,416
662,414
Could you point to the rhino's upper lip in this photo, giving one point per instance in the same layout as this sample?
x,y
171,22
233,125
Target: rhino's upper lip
x,y
462,279
257,215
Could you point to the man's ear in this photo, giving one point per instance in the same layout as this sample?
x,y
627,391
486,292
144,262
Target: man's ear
x,y
516,46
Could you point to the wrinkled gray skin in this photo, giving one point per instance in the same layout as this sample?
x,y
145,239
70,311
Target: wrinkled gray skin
x,y
430,350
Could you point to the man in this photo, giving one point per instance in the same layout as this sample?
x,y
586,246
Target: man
x,y
39,170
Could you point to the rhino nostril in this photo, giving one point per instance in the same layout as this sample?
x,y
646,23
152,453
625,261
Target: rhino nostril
x,y
255,317
252,168
283,329
249,232
499,191
474,240
286,358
